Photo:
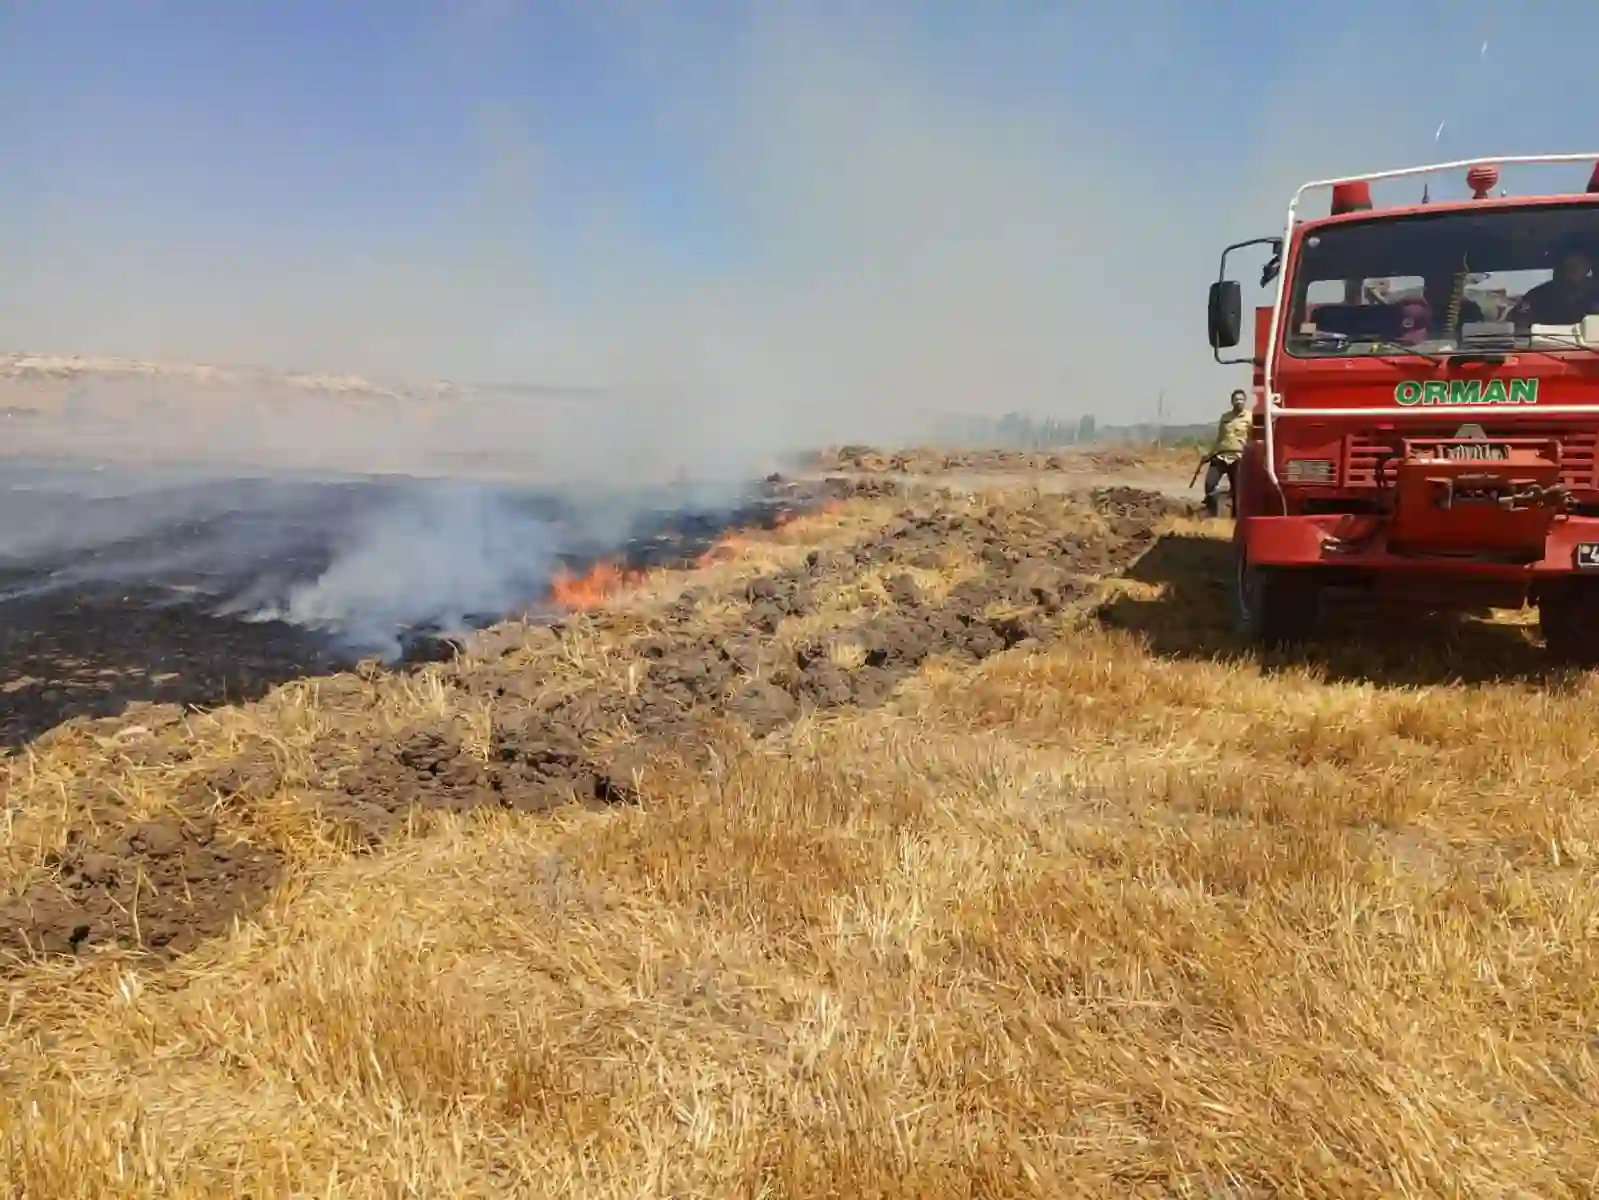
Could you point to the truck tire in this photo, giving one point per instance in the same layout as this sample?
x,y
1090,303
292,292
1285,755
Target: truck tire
x,y
1568,618
1275,606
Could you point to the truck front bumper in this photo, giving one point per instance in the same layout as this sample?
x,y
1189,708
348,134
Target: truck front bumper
x,y
1360,542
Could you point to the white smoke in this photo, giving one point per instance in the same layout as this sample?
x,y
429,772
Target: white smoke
x,y
362,560
437,556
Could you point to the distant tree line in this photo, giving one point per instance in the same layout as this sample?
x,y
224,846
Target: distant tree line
x,y
1018,431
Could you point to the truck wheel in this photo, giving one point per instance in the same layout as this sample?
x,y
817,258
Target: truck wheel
x,y
1276,606
1568,618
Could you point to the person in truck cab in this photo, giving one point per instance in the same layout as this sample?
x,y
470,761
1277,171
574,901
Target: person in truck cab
x,y
1566,298
1232,431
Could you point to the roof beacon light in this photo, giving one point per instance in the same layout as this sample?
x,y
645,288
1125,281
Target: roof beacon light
x,y
1593,180
1351,197
1481,179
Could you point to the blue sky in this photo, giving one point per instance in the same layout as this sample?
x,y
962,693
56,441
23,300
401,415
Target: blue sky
x,y
896,206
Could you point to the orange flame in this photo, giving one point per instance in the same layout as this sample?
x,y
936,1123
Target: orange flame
x,y
731,543
592,588
604,580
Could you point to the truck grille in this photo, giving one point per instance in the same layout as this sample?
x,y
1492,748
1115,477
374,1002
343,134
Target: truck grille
x,y
1363,452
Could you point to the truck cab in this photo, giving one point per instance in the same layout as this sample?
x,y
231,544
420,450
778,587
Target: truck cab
x,y
1426,422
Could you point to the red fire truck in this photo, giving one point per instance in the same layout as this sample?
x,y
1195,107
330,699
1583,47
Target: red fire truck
x,y
1426,413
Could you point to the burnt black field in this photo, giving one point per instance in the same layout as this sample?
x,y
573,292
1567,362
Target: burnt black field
x,y
181,585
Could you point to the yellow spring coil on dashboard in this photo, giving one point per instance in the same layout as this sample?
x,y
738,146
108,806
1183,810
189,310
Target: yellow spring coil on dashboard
x,y
1457,298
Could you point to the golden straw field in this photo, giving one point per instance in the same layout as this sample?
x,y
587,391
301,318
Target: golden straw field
x,y
933,844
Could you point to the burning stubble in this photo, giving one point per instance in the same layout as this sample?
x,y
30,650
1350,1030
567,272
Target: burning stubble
x,y
359,560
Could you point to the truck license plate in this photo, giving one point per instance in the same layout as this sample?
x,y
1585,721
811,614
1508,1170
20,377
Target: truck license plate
x,y
1588,556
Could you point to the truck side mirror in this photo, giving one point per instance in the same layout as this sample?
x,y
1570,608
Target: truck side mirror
x,y
1226,313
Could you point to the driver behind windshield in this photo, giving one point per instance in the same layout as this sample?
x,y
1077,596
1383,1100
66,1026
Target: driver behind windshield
x,y
1567,298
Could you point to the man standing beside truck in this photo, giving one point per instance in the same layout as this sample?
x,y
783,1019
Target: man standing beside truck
x,y
1232,431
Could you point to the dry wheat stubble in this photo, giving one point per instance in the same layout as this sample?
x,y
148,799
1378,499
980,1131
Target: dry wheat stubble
x,y
1084,918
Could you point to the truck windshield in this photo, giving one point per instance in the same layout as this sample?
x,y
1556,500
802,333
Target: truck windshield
x,y
1421,282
